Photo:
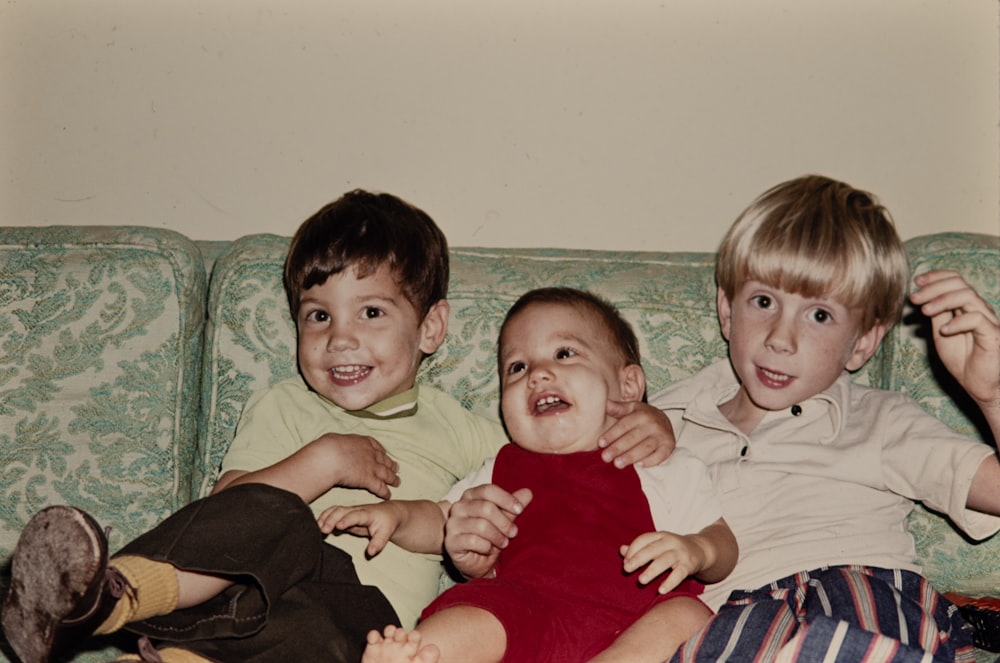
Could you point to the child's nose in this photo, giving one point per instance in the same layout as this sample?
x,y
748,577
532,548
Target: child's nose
x,y
342,337
539,372
781,337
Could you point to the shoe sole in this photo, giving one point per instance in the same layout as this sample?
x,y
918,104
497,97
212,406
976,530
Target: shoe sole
x,y
58,555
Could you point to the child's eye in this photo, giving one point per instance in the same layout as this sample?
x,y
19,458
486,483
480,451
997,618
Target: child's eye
x,y
516,367
761,301
372,312
317,315
822,316
565,353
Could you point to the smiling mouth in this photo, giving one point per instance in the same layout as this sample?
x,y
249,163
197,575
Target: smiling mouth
x,y
774,379
350,374
547,404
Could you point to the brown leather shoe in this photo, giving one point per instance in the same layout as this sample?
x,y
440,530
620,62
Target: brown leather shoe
x,y
61,586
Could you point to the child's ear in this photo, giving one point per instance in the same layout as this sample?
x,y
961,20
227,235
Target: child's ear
x,y
434,327
725,311
633,383
865,346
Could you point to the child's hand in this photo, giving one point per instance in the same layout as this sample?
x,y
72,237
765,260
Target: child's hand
x,y
966,332
661,552
359,461
642,435
480,525
376,521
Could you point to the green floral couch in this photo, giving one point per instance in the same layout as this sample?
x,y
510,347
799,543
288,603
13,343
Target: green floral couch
x,y
126,354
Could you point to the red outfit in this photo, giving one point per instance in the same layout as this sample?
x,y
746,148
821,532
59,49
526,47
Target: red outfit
x,y
560,591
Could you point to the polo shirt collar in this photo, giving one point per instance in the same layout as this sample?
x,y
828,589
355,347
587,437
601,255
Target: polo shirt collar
x,y
394,407
721,385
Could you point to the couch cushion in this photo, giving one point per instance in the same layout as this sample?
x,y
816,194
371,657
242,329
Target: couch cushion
x,y
951,562
249,342
100,344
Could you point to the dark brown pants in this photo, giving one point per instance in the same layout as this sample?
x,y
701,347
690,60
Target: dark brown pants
x,y
296,598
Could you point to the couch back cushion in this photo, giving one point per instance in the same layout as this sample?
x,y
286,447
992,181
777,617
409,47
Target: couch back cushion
x,y
951,562
250,342
100,350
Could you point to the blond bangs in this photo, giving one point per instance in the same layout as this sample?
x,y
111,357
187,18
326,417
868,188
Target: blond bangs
x,y
819,238
808,276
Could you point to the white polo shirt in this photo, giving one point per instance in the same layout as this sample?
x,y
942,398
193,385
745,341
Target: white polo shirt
x,y
830,484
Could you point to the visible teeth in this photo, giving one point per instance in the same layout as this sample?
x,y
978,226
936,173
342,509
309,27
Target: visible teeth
x,y
774,376
347,370
546,403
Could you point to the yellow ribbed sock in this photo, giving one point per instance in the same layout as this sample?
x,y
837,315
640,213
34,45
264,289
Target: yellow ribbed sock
x,y
152,590
177,655
169,655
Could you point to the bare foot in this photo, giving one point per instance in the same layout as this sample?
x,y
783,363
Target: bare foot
x,y
397,645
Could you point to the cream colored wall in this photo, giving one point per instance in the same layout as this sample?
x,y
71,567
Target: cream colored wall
x,y
631,124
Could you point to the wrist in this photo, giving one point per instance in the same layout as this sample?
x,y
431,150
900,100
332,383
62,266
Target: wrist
x,y
707,555
325,452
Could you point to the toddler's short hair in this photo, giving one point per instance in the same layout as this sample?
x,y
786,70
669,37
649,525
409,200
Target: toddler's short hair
x,y
363,231
818,237
619,331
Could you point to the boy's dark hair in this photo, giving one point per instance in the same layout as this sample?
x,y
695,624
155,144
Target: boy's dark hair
x,y
815,236
363,231
619,331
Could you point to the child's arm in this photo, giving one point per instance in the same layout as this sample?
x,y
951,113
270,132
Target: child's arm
x,y
710,555
966,334
642,435
417,525
984,493
351,461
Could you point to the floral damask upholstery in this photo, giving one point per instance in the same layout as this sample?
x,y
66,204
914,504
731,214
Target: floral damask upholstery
x,y
123,371
100,349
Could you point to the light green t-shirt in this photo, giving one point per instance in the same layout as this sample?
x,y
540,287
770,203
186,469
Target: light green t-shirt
x,y
435,446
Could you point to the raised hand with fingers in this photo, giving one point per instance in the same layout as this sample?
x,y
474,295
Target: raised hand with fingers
x,y
966,333
642,435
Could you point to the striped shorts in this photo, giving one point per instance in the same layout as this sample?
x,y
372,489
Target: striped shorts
x,y
839,614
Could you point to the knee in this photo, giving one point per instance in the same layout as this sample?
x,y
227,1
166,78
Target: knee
x,y
269,507
263,496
